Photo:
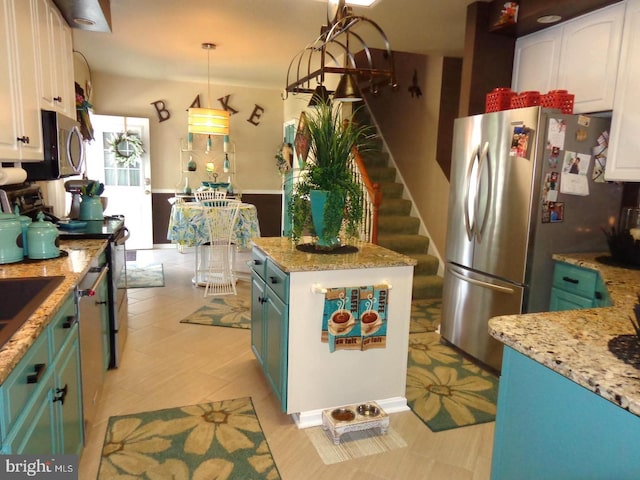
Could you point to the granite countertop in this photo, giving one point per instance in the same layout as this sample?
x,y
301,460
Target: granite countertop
x,y
73,267
575,343
282,250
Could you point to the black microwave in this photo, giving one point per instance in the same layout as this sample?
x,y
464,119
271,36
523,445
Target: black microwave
x,y
63,147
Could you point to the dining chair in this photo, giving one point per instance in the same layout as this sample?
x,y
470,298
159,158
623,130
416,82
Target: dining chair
x,y
209,197
221,221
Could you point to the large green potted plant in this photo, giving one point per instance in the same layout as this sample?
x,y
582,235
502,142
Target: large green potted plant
x,y
327,197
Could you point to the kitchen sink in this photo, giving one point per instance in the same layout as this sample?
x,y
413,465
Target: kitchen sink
x,y
20,298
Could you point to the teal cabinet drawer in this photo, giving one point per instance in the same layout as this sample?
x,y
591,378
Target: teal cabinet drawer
x,y
63,324
278,281
259,262
577,280
23,382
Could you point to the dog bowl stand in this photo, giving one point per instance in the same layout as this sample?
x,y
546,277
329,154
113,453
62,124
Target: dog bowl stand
x,y
359,422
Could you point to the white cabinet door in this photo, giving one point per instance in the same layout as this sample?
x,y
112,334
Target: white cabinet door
x,y
9,113
623,163
64,98
56,60
20,124
589,58
535,66
26,60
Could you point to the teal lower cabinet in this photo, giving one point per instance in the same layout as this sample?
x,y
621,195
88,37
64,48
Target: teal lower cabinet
x,y
550,428
270,323
576,287
41,400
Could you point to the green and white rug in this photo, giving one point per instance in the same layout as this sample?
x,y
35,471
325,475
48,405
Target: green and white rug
x,y
142,276
199,442
445,389
230,311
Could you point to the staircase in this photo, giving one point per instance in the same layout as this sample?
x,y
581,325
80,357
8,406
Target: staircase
x,y
397,229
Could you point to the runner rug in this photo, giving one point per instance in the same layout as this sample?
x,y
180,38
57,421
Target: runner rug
x,y
444,388
230,311
210,440
143,276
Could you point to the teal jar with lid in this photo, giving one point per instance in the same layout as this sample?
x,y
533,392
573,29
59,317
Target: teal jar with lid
x,y
10,239
43,239
24,224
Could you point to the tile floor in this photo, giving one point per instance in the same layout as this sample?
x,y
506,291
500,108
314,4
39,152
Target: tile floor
x,y
168,364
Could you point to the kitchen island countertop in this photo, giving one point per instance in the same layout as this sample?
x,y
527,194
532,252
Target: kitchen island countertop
x,y
73,266
283,251
575,343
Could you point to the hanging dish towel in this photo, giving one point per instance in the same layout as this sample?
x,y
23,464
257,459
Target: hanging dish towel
x,y
355,318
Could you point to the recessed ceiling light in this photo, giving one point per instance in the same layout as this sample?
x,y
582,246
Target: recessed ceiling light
x,y
549,19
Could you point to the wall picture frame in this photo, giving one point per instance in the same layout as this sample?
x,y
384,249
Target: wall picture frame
x,y
302,140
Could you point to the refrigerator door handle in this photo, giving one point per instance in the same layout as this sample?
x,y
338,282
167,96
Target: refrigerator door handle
x,y
467,220
458,274
484,161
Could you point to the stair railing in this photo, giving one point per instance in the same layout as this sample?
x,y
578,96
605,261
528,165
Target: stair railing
x,y
372,197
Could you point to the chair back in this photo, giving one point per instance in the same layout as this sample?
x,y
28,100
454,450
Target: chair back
x,y
210,198
221,220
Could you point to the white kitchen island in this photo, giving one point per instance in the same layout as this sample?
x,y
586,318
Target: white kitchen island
x,y
288,300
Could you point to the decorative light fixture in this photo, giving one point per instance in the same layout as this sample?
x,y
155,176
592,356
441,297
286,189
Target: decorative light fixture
x,y
208,121
320,95
321,57
347,90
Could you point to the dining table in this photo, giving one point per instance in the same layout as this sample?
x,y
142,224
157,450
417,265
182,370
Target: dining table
x,y
188,228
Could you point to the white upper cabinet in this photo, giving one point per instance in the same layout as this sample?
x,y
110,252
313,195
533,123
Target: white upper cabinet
x,y
56,60
20,124
589,58
536,60
580,55
623,162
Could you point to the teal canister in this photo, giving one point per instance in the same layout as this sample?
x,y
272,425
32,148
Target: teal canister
x,y
91,208
43,239
10,239
24,224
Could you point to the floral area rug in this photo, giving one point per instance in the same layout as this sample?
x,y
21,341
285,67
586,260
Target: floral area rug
x,y
220,440
445,389
143,276
232,311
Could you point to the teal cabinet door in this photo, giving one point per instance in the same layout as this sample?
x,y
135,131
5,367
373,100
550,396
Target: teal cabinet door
x,y
68,399
561,300
550,428
35,434
276,345
257,330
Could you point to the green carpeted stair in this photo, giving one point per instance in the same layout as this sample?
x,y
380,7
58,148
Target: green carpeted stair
x,y
397,229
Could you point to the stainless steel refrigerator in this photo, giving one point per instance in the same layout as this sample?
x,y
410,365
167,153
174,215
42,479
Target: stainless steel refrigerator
x,y
522,188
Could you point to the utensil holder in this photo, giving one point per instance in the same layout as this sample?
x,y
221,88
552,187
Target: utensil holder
x,y
91,208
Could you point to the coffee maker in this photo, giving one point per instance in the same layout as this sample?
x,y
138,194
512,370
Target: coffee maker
x,y
74,187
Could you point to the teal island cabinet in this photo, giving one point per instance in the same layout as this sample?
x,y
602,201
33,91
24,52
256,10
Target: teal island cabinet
x,y
287,304
569,395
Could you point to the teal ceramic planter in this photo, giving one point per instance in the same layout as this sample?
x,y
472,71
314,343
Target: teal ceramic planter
x,y
327,234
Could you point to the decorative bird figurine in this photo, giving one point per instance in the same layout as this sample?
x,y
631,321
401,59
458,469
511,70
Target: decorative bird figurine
x,y
414,89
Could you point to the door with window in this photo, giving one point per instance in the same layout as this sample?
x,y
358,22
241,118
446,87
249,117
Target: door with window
x,y
119,157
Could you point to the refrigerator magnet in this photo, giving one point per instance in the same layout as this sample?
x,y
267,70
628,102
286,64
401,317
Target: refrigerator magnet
x,y
520,141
